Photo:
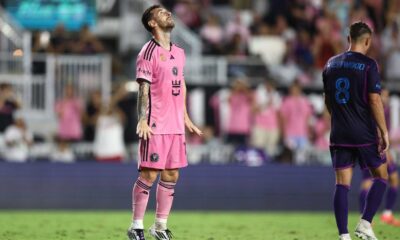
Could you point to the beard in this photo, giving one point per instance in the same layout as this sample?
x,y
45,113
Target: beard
x,y
167,25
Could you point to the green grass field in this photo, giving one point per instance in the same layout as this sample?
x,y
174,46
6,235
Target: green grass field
x,y
78,225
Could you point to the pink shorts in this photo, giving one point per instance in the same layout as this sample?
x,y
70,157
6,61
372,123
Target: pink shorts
x,y
166,151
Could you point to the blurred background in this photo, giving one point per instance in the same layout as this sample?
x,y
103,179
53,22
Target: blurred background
x,y
253,70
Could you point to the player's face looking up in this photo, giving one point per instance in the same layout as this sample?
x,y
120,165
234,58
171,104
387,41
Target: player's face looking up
x,y
162,18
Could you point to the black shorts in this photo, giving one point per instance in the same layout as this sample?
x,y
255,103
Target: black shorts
x,y
366,156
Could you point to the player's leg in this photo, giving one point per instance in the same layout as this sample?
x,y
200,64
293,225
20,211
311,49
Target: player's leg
x,y
176,159
342,162
151,162
165,197
365,186
140,198
340,200
372,203
391,196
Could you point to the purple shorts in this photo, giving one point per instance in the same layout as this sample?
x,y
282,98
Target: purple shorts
x,y
367,157
392,168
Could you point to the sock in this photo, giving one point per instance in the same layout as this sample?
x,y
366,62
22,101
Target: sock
x,y
161,223
362,197
140,197
391,197
340,204
374,199
165,197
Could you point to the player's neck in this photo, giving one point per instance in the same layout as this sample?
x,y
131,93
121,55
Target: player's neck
x,y
356,48
163,38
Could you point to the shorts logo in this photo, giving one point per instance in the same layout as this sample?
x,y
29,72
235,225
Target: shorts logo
x,y
175,71
154,157
153,125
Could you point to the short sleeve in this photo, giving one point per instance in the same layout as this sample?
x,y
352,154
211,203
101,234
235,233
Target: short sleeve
x,y
144,69
373,79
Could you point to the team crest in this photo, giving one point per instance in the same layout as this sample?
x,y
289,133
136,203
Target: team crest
x,y
163,58
154,157
175,71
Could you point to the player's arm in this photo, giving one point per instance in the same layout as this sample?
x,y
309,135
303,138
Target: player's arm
x,y
188,123
376,106
143,129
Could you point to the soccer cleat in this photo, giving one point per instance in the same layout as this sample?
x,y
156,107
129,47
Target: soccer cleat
x,y
135,234
390,220
364,231
345,237
160,234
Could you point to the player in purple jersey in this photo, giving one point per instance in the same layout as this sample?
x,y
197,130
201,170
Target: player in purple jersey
x,y
352,95
391,195
161,124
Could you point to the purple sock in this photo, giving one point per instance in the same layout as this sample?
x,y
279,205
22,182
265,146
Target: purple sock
x,y
391,197
374,199
362,198
341,207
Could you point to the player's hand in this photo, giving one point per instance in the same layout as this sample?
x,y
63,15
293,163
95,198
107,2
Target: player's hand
x,y
384,142
192,128
143,130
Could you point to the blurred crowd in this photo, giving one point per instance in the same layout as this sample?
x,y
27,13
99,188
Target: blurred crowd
x,y
295,37
61,41
276,126
102,127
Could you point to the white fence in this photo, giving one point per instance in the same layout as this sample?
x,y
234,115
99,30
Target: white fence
x,y
44,84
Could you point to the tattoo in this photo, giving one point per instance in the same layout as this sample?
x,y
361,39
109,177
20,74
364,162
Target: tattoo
x,y
143,100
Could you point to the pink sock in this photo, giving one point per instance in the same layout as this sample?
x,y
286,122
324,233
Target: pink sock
x,y
165,197
140,197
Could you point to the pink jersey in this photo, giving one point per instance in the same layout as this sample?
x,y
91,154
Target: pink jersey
x,y
164,70
69,125
240,114
296,112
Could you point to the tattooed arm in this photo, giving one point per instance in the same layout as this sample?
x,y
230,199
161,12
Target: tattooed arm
x,y
143,129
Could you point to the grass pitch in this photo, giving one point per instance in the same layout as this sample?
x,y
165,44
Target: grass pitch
x,y
78,225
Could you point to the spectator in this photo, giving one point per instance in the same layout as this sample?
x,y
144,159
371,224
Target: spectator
x,y
212,34
391,50
234,27
59,40
295,115
62,152
109,140
92,112
240,103
127,102
236,47
322,131
327,42
8,105
188,12
69,113
88,43
265,134
18,140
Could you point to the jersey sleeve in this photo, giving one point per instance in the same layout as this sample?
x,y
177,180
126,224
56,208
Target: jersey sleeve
x,y
373,79
144,68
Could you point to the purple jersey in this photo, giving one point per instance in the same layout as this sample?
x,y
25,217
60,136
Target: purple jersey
x,y
348,79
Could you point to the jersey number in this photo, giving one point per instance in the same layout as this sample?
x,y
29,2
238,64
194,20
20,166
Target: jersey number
x,y
342,94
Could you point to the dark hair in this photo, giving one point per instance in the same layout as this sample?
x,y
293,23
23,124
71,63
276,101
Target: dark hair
x,y
5,86
147,15
358,29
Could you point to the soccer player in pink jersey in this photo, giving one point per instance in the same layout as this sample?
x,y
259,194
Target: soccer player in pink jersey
x,y
161,125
